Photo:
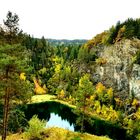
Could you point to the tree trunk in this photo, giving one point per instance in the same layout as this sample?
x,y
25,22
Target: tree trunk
x,y
5,116
83,116
5,110
82,123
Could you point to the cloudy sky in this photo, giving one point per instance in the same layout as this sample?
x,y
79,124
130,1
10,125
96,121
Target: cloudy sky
x,y
69,19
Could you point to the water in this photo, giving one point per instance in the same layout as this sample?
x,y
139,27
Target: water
x,y
54,113
59,115
56,121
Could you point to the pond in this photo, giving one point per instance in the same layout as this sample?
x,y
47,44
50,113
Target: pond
x,y
57,114
54,113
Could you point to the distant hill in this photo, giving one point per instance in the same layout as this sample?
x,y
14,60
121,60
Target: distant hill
x,y
55,42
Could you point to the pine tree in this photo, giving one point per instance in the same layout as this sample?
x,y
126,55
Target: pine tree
x,y
13,62
12,32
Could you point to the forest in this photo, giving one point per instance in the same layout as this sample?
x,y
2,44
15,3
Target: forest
x,y
64,70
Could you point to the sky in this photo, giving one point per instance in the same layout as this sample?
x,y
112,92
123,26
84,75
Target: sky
x,y
56,121
69,19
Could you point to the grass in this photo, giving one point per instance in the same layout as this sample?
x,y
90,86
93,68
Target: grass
x,y
42,98
55,133
47,97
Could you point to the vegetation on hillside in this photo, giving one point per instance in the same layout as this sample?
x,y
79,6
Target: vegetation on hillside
x,y
128,29
64,69
36,131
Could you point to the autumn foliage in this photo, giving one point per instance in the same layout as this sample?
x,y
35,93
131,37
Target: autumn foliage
x,y
38,88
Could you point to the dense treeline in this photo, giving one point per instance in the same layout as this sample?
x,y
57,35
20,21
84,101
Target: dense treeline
x,y
126,30
129,29
63,69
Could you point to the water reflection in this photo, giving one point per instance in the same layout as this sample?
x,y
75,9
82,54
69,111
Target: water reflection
x,y
57,121
63,115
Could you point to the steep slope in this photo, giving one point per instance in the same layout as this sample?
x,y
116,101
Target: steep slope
x,y
119,70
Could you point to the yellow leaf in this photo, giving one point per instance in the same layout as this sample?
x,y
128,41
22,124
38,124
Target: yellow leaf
x,y
62,93
100,88
135,102
110,91
58,68
38,88
22,76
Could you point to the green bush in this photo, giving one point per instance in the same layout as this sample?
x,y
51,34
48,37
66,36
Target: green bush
x,y
36,126
17,121
136,58
101,61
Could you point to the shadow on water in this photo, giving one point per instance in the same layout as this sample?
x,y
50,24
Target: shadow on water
x,y
95,126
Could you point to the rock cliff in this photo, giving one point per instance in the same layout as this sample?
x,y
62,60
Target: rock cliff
x,y
119,70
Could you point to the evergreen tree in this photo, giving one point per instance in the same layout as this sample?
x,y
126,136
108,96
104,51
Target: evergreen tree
x,y
13,61
83,54
85,90
12,32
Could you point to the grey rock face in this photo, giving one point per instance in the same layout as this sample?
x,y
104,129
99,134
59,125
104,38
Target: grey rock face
x,y
119,72
135,81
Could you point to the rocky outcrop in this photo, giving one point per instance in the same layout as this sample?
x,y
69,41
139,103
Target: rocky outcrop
x,y
134,82
119,71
